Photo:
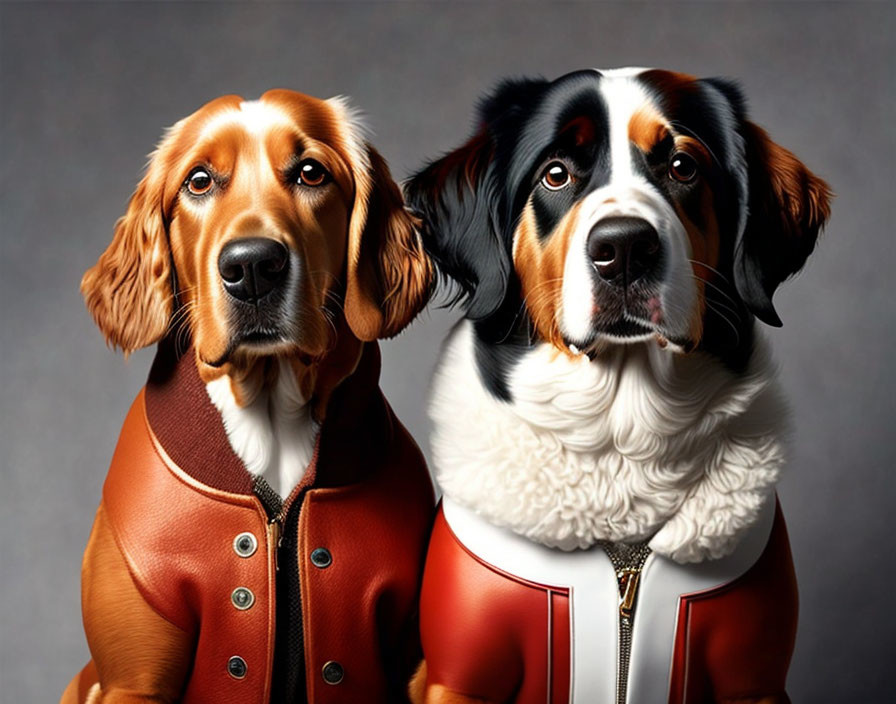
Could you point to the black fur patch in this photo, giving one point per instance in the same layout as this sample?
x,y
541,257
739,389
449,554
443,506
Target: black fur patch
x,y
470,202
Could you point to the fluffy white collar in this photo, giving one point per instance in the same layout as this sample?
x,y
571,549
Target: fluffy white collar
x,y
640,442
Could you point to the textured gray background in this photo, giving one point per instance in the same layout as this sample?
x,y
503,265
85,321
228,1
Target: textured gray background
x,y
86,89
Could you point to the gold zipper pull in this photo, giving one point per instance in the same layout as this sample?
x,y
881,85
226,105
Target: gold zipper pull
x,y
275,538
628,588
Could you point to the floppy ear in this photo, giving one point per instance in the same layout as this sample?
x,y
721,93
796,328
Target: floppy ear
x,y
389,276
787,206
460,230
463,208
129,290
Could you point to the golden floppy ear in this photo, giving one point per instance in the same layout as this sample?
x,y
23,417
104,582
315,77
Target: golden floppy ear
x,y
129,290
389,275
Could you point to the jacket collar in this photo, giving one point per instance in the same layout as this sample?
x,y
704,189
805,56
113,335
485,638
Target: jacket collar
x,y
191,431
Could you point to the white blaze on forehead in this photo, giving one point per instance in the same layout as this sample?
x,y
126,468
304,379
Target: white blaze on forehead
x,y
254,116
624,72
627,193
623,96
257,118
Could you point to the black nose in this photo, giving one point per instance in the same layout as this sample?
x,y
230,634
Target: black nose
x,y
252,267
623,249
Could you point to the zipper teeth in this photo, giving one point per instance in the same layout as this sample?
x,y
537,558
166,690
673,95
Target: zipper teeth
x,y
628,562
625,649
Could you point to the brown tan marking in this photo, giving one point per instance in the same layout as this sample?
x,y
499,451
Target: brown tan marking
x,y
647,128
421,693
705,243
540,269
671,84
352,235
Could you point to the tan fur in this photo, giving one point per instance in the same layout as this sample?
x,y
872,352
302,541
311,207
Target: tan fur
x,y
804,199
137,654
672,84
421,693
354,237
540,268
647,128
389,274
128,291
355,240
705,242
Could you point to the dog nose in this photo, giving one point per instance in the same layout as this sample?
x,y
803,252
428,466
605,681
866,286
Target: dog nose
x,y
252,267
623,249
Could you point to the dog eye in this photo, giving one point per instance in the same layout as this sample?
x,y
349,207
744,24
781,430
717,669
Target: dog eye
x,y
312,173
683,167
555,176
199,182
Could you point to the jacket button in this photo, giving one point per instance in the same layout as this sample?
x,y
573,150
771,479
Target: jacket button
x,y
236,667
245,545
333,672
321,557
242,598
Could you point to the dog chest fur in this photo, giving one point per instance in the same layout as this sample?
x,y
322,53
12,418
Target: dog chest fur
x,y
637,444
275,434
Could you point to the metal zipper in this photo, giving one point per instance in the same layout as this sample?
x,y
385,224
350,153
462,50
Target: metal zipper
x,y
628,562
275,531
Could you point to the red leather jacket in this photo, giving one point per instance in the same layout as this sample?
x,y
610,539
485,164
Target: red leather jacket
x,y
508,620
333,610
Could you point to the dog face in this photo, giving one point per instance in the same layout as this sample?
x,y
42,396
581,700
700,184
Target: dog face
x,y
253,224
620,206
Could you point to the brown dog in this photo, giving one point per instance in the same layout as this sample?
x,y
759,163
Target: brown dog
x,y
247,546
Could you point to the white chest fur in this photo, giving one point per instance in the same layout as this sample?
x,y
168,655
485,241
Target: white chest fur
x,y
274,436
640,442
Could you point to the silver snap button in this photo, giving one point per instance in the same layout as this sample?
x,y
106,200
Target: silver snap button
x,y
242,598
237,668
333,672
245,545
321,557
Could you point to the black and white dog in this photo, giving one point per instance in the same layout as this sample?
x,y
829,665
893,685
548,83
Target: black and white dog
x,y
612,235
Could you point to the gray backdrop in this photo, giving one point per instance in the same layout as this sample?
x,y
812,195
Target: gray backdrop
x,y
87,88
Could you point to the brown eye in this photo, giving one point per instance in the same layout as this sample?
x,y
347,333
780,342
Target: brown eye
x,y
311,173
683,167
199,182
555,176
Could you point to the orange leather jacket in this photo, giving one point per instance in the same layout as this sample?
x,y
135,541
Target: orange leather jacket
x,y
313,598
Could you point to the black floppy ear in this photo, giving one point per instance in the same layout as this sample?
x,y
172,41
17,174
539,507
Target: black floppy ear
x,y
459,225
786,207
462,207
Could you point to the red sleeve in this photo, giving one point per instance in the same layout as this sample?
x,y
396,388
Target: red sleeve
x,y
470,618
738,640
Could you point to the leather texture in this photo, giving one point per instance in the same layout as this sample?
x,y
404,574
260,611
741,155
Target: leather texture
x,y
735,642
361,610
370,503
177,538
485,632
